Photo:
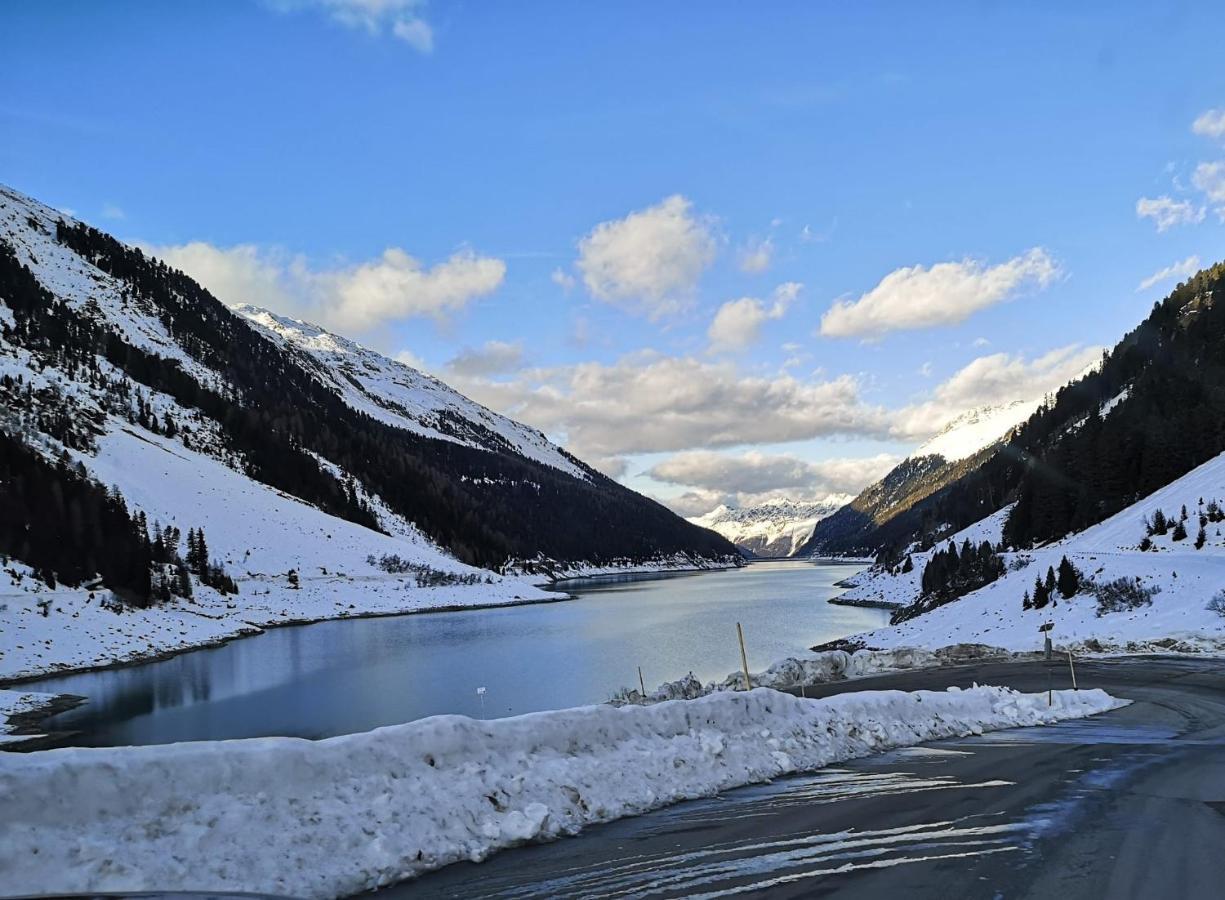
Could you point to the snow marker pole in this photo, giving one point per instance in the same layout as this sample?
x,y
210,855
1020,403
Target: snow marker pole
x,y
1073,668
641,686
744,660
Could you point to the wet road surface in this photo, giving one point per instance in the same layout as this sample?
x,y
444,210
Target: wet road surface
x,y
1127,804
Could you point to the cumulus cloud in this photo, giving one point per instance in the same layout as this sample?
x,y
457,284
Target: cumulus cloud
x,y
402,19
649,262
994,379
647,402
738,323
946,293
351,299
1209,177
1210,123
493,358
755,256
754,477
651,403
1166,212
1186,267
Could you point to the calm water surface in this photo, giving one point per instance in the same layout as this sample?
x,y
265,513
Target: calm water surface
x,y
346,676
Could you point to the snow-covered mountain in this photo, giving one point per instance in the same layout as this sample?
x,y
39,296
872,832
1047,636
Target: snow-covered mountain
x,y
977,429
774,529
403,397
136,410
863,524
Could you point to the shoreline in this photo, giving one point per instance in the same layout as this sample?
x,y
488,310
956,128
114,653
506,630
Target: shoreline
x,y
254,630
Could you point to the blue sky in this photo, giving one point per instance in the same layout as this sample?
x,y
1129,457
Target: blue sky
x,y
571,193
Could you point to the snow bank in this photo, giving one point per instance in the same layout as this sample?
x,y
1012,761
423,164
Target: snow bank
x,y
334,817
821,667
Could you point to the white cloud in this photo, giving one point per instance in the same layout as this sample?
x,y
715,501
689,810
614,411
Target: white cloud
x,y
756,256
111,211
1210,123
649,262
647,402
981,342
563,279
994,379
753,477
738,322
1166,212
946,293
350,299
926,369
1188,266
494,357
415,32
651,403
401,18
1209,177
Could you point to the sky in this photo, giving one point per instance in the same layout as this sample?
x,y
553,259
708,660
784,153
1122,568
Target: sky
x,y
724,252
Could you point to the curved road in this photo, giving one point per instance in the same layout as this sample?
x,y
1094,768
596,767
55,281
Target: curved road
x,y
1127,804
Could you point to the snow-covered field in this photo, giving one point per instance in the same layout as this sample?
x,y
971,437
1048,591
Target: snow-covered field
x,y
335,817
1177,618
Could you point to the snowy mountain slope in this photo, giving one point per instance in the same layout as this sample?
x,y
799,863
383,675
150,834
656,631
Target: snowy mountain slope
x,y
1186,579
304,393
774,529
977,429
405,398
888,586
881,513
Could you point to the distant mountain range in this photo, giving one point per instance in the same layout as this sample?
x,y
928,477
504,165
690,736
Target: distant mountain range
x,y
774,529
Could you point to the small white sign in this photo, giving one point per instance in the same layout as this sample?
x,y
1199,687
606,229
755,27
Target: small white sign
x,y
480,692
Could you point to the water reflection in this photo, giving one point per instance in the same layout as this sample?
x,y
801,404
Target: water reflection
x,y
345,676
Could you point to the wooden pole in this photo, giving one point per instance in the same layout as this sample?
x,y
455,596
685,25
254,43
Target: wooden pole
x,y
640,684
744,660
1073,668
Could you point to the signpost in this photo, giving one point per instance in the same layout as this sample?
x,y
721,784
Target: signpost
x,y
480,692
1046,633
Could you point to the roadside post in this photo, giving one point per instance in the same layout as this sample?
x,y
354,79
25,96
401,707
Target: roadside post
x,y
1073,668
641,686
480,692
1046,634
744,660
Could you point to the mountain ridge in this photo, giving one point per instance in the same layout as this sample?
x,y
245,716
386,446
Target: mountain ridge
x,y
773,529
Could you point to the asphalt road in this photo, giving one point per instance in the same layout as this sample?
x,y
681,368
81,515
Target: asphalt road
x,y
1127,804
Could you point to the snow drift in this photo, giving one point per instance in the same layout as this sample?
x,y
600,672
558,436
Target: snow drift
x,y
334,817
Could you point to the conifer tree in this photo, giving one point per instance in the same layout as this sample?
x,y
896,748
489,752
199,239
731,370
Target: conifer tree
x,y
1068,580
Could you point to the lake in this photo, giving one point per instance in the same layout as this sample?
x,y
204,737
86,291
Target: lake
x,y
352,675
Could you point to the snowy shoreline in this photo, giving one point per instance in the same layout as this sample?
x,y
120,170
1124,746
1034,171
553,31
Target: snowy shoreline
x,y
339,816
251,627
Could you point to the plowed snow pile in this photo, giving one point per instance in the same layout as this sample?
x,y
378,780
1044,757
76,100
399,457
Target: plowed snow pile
x,y
334,817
